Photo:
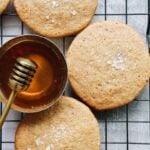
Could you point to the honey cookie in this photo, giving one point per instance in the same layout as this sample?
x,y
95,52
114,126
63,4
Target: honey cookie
x,y
3,5
108,65
68,125
56,18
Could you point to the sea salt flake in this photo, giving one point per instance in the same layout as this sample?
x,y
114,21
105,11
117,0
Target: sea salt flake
x,y
73,13
53,21
47,17
50,147
55,4
117,63
60,131
38,142
109,62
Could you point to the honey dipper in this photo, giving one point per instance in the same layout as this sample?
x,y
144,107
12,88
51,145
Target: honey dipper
x,y
19,80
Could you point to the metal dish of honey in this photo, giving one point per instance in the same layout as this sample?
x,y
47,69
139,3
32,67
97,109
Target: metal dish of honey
x,y
49,80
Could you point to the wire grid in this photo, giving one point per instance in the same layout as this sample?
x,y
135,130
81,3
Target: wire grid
x,y
125,128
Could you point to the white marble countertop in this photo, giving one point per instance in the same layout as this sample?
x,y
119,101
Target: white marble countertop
x,y
125,128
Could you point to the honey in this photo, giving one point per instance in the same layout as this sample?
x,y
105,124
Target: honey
x,y
42,80
48,79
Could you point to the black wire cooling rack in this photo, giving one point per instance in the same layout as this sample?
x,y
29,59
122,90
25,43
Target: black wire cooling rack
x,y
125,128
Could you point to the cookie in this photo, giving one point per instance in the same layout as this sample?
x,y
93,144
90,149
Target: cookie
x,y
69,125
108,65
56,18
3,5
